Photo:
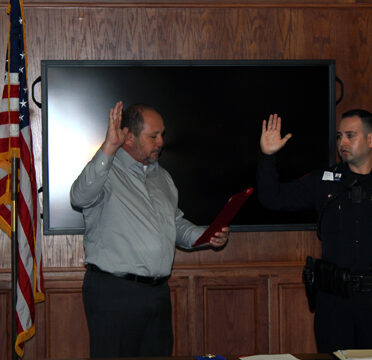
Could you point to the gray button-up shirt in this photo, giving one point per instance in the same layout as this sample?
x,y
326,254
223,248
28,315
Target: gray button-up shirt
x,y
132,220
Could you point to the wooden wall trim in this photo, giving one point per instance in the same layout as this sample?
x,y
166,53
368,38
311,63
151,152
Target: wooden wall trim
x,y
77,273
196,4
60,278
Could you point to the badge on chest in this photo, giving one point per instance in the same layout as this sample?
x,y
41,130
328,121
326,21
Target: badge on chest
x,y
331,176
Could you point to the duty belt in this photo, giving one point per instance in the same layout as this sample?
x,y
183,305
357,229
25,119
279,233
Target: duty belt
x,y
361,283
328,277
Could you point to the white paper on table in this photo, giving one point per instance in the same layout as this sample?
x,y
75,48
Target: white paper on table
x,y
269,357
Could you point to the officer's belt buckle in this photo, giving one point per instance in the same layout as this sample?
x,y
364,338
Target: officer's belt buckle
x,y
361,283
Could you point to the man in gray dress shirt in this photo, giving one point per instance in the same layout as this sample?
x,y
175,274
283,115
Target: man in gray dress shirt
x,y
132,222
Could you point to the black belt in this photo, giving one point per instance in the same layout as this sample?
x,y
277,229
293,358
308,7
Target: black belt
x,y
361,283
133,277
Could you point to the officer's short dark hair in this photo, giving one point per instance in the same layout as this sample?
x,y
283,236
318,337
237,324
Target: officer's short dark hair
x,y
364,115
133,119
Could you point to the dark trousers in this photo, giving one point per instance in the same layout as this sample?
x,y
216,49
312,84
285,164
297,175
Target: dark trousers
x,y
126,318
343,323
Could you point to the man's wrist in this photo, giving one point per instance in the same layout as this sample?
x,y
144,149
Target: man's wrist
x,y
109,149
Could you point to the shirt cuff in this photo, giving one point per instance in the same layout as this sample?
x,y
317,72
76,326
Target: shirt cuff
x,y
102,162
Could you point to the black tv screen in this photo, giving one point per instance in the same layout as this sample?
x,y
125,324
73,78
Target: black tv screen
x,y
213,112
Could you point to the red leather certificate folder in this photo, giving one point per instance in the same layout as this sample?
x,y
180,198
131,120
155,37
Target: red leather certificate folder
x,y
225,216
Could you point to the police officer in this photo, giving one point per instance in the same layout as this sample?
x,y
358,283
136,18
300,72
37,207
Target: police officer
x,y
342,197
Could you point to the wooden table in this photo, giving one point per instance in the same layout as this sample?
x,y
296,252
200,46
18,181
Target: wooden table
x,y
299,356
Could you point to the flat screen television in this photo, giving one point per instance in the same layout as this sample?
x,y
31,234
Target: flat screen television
x,y
213,111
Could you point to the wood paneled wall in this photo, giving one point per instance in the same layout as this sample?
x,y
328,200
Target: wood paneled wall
x,y
339,30
249,297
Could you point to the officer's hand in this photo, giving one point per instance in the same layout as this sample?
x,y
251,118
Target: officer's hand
x,y
271,140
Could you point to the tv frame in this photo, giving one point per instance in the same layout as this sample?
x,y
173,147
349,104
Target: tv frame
x,y
46,64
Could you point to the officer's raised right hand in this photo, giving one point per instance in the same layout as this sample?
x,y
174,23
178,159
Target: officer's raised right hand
x,y
271,140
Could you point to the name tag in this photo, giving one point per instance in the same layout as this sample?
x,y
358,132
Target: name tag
x,y
330,176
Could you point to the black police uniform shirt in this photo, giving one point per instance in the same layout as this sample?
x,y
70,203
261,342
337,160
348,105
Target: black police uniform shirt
x,y
343,201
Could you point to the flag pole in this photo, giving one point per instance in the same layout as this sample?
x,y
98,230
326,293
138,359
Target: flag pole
x,y
19,207
14,252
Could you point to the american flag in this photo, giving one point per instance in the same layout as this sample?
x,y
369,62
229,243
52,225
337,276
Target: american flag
x,y
16,140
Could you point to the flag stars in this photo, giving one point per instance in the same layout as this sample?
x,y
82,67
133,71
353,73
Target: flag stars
x,y
20,20
21,117
23,103
21,69
22,55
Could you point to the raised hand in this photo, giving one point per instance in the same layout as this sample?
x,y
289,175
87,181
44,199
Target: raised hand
x,y
115,136
271,140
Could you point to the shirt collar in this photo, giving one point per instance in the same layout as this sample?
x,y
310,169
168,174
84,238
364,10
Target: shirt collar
x,y
126,161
